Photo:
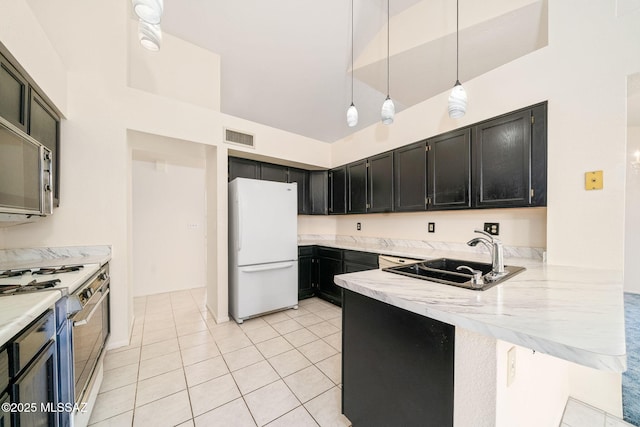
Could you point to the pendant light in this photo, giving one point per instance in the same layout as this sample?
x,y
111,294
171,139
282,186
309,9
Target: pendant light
x,y
458,96
352,112
149,11
388,109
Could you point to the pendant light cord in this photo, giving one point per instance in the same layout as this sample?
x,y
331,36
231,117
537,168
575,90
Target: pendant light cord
x,y
457,40
388,1
352,52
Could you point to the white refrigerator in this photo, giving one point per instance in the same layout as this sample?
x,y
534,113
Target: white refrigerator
x,y
263,247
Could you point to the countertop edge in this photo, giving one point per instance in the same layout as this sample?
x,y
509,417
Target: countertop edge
x,y
604,362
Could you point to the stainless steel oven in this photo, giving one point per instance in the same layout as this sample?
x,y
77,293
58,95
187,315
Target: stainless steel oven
x,y
90,331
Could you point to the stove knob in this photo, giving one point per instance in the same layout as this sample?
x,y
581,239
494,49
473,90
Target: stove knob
x,y
103,276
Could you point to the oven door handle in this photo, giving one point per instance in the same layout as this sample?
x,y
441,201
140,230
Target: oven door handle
x,y
93,311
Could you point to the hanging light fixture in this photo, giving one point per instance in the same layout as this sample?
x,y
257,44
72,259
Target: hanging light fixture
x,y
458,96
149,11
352,112
149,35
388,109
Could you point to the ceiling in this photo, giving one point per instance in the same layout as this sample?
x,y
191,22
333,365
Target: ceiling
x,y
287,64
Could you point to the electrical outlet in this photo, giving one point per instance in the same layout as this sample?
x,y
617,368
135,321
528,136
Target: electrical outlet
x,y
431,227
358,226
511,366
492,228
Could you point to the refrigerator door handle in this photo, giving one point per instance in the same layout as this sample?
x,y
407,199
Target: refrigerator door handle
x,y
239,223
265,267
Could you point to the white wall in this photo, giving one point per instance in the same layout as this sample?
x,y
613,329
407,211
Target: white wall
x,y
101,111
632,223
587,125
168,222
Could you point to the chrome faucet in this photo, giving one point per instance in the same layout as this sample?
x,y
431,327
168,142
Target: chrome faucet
x,y
495,249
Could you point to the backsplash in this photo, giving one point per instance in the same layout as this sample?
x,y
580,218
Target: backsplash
x,y
509,251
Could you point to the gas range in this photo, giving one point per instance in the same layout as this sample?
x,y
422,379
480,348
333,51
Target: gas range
x,y
26,280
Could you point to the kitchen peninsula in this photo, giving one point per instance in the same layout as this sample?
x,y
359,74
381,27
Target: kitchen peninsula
x,y
572,314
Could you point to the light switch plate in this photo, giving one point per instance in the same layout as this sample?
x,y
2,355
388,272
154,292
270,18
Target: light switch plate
x,y
593,180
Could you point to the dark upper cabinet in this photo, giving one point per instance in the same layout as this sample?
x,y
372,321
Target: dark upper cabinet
x,y
318,194
271,172
357,187
410,177
502,159
337,190
13,95
301,178
380,181
44,127
539,155
449,166
243,168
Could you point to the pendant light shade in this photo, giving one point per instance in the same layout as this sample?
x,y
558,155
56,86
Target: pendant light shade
x,y
458,96
149,35
149,11
352,111
388,109
352,116
457,101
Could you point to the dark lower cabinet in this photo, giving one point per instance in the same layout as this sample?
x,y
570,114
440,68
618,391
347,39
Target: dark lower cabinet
x,y
397,366
502,157
329,264
450,170
410,177
307,271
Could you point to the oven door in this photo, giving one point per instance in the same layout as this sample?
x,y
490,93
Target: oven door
x,y
89,336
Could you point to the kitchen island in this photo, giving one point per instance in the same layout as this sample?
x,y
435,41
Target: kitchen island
x,y
558,318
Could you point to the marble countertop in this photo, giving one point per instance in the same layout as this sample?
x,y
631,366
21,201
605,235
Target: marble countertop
x,y
17,311
575,314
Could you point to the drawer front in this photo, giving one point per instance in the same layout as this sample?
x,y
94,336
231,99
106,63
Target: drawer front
x,y
25,346
366,258
306,250
330,253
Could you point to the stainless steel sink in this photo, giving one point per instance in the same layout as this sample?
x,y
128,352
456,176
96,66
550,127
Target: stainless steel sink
x,y
446,271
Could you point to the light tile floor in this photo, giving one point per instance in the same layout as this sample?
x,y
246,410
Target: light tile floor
x,y
181,368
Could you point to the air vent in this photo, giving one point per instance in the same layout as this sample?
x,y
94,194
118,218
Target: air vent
x,y
235,137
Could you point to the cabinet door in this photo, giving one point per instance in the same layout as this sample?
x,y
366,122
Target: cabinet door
x,y
539,156
397,366
450,170
329,264
13,95
318,195
301,177
381,183
357,187
306,268
44,127
243,168
502,156
269,172
410,177
337,188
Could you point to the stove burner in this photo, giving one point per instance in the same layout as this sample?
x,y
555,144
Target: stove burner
x,y
55,270
32,286
12,273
